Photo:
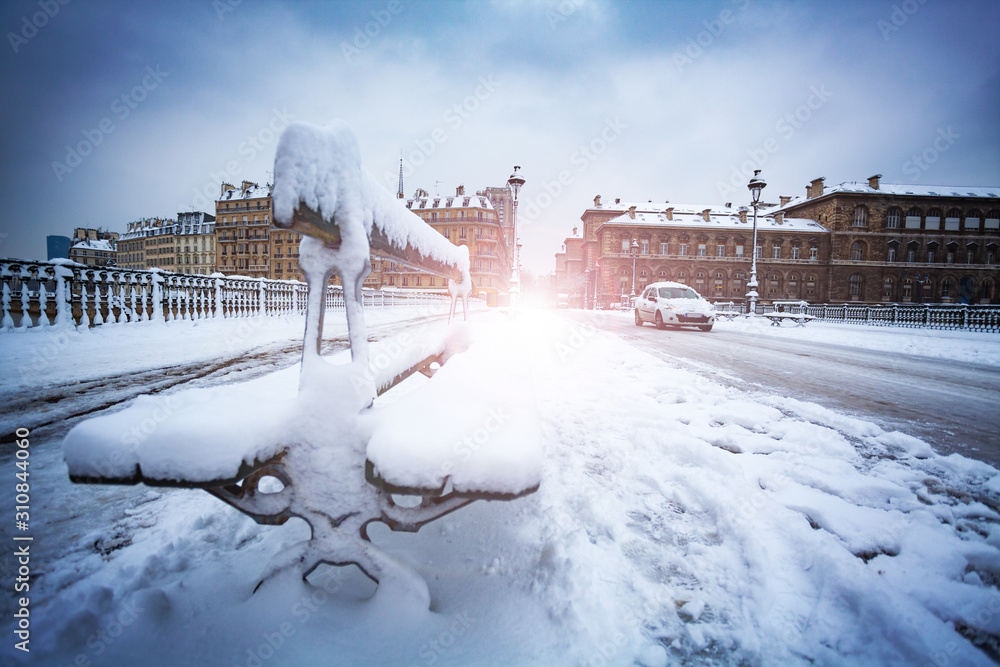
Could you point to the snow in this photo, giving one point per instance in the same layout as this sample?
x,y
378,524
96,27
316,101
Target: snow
x,y
976,347
321,168
677,522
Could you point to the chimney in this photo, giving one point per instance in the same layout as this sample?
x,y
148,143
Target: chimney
x,y
631,212
670,213
873,181
707,215
815,189
597,201
743,213
460,191
784,199
729,204
246,185
226,187
617,200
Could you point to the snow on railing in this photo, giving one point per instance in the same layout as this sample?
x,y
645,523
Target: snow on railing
x,y
63,293
922,315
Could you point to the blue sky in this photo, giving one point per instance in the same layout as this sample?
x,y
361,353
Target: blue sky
x,y
670,101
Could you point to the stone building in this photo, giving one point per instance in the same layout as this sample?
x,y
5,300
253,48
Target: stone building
x,y
463,219
906,243
194,238
93,247
133,252
706,247
245,242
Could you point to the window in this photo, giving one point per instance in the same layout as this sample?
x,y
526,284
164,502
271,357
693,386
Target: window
x,y
931,253
776,251
625,245
854,286
970,254
720,250
739,250
644,247
664,248
950,255
860,216
951,222
933,220
813,252
759,252
887,289
972,219
913,218
892,220
946,288
992,221
702,250
682,249
795,252
461,233
857,251
810,285
991,254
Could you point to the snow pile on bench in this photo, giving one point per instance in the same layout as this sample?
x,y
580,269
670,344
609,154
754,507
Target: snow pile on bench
x,y
195,436
320,167
474,424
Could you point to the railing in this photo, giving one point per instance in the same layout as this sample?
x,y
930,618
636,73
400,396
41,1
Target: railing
x,y
42,294
926,316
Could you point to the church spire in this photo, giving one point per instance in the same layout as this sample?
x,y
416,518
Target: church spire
x,y
399,193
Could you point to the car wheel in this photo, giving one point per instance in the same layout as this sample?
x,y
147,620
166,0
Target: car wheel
x,y
659,321
638,318
706,327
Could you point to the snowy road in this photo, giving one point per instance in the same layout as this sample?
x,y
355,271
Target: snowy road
x,y
950,404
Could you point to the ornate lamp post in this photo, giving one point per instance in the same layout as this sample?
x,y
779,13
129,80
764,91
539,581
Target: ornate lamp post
x,y
755,186
514,183
635,254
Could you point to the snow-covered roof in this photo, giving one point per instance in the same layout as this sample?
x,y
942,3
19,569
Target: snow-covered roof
x,y
439,202
900,190
94,244
719,218
255,192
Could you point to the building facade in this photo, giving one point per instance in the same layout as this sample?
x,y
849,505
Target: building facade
x,y
463,219
907,243
706,247
243,233
194,240
93,247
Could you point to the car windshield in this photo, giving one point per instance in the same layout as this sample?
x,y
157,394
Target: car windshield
x,y
677,293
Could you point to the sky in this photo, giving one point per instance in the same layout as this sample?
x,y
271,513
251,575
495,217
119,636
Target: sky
x,y
117,111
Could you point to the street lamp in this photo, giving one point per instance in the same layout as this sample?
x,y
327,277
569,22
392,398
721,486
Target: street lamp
x,y
755,185
514,183
635,253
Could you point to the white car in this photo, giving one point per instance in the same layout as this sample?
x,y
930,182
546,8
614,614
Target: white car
x,y
673,304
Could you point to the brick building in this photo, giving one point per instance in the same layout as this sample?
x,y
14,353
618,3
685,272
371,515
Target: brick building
x,y
706,247
906,243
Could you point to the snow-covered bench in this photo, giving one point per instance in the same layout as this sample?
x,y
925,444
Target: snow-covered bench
x,y
799,318
320,448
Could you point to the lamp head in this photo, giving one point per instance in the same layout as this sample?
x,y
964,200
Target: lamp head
x,y
755,185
